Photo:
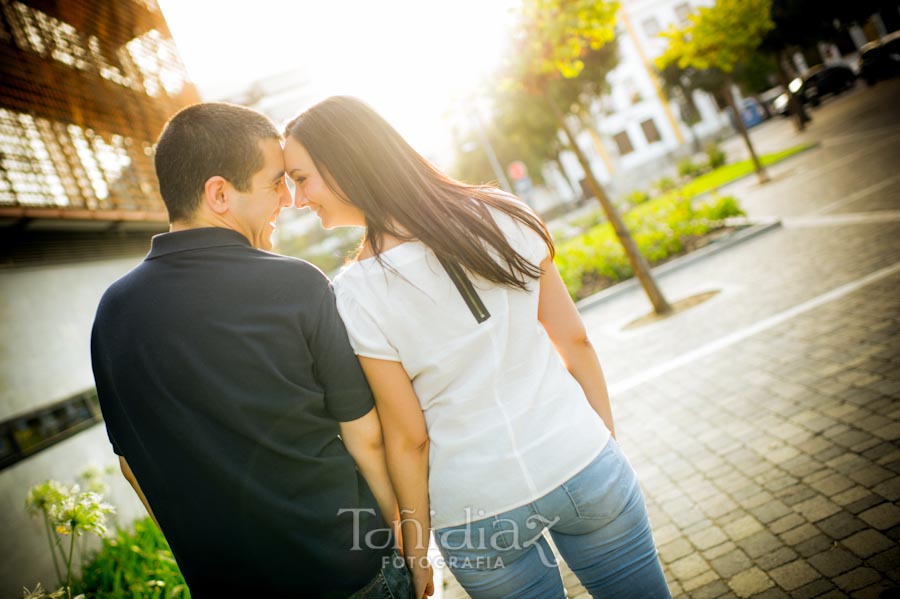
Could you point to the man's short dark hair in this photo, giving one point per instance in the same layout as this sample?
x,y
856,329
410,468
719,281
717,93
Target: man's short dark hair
x,y
207,140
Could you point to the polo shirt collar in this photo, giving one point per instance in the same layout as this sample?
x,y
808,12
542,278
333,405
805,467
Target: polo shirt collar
x,y
194,239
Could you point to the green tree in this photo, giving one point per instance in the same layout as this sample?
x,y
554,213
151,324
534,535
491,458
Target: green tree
x,y
513,129
554,60
527,123
721,37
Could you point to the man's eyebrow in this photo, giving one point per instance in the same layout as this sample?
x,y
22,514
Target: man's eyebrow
x,y
278,177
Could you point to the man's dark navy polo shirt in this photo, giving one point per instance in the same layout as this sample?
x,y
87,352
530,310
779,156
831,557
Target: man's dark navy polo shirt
x,y
222,372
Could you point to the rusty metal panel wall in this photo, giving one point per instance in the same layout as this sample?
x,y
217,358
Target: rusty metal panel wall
x,y
85,88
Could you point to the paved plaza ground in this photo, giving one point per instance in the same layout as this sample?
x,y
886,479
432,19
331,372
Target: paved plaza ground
x,y
764,424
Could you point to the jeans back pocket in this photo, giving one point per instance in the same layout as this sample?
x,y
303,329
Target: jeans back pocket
x,y
604,488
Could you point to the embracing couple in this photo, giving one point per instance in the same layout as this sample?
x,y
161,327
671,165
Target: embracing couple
x,y
295,437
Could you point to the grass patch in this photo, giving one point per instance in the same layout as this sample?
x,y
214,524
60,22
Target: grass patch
x,y
709,182
732,172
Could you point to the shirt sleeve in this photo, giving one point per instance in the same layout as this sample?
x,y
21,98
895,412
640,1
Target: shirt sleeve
x,y
112,441
366,337
523,238
347,394
534,248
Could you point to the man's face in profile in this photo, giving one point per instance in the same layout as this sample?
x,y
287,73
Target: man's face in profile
x,y
256,210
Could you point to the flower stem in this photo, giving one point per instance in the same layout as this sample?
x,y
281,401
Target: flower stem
x,y
53,548
69,566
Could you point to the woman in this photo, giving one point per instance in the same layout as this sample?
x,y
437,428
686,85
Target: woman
x,y
492,400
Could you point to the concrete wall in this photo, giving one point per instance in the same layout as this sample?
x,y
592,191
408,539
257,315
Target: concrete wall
x,y
46,314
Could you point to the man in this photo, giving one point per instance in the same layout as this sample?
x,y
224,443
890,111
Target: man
x,y
225,376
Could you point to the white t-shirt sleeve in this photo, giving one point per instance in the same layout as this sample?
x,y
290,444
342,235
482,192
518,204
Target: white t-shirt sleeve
x,y
535,248
366,337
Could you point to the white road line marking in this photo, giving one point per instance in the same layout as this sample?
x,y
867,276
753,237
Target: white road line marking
x,y
763,325
858,195
835,220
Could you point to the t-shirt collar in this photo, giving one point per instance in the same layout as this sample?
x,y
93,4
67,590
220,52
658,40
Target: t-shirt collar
x,y
194,239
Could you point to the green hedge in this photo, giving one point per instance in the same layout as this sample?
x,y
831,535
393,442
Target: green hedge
x,y
660,229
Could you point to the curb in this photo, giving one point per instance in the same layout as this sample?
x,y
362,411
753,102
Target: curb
x,y
757,227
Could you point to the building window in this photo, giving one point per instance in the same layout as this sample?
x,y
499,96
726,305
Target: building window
x,y
27,434
682,11
53,165
650,131
651,27
623,143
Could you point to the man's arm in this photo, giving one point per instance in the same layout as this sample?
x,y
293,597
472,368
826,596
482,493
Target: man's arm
x,y
365,443
349,401
129,476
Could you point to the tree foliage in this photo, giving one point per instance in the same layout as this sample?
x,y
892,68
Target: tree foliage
x,y
562,50
721,38
718,36
562,32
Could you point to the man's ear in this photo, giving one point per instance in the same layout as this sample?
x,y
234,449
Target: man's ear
x,y
214,197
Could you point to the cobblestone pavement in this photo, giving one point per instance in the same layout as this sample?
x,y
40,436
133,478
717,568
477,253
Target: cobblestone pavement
x,y
764,424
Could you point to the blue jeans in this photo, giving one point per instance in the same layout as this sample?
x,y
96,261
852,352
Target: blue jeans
x,y
392,581
597,520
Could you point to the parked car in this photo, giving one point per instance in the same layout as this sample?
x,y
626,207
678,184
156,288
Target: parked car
x,y
820,80
880,59
814,84
769,97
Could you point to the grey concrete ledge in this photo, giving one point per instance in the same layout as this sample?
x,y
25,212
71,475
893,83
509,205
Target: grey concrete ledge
x,y
755,227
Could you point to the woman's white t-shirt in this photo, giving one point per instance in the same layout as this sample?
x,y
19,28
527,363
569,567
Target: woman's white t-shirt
x,y
507,423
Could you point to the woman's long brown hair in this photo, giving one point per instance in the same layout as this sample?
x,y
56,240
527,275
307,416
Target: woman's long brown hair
x,y
367,164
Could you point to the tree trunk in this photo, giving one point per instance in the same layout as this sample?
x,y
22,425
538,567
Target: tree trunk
x,y
635,258
690,115
798,111
695,140
761,173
